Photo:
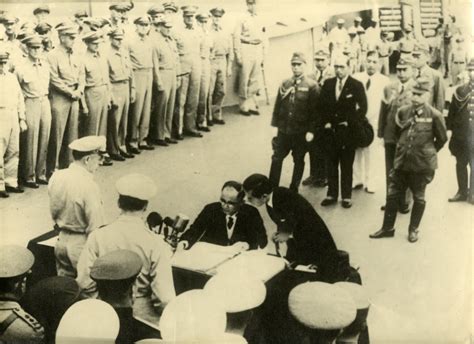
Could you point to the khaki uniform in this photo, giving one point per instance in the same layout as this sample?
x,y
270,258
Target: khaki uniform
x,y
34,81
12,109
384,50
17,326
206,55
66,76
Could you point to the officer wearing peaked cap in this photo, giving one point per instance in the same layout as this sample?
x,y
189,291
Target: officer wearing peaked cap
x,y
11,43
16,326
170,7
75,202
41,13
154,287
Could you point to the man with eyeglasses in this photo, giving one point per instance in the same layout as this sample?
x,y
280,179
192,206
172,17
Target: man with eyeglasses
x,y
75,202
227,222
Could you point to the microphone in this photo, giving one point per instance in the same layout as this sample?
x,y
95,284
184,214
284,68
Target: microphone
x,y
180,222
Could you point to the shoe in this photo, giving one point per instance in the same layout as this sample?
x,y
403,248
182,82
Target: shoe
x,y
413,236
404,210
383,233
245,113
204,129
162,143
146,147
107,161
382,208
126,155
358,186
171,141
219,121
192,133
32,185
254,112
179,137
117,157
321,183
309,181
210,122
346,203
133,150
41,181
458,197
12,189
4,194
328,201
369,191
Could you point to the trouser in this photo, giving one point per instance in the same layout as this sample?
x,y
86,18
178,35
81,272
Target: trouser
x,y
343,157
446,53
317,161
250,73
203,110
139,117
97,100
34,141
465,183
282,145
67,251
398,182
390,149
64,130
217,86
362,173
164,106
384,62
180,101
118,117
456,69
9,148
192,95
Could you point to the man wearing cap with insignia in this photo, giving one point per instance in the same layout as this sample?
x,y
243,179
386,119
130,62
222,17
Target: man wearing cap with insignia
x,y
33,76
44,30
461,122
166,71
75,202
117,13
141,56
396,95
221,65
250,49
317,155
122,88
12,122
338,38
294,116
41,13
66,89
421,57
421,133
154,287
170,8
203,112
16,326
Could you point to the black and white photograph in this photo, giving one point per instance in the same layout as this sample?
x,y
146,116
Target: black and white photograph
x,y
236,171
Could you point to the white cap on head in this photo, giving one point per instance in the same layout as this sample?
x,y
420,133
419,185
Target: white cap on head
x,y
88,144
88,321
341,21
137,186
192,316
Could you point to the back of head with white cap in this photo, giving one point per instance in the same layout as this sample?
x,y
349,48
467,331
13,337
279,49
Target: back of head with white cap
x,y
137,186
88,321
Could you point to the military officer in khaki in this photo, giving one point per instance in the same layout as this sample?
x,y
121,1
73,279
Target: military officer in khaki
x,y
16,326
12,121
11,43
250,45
33,76
206,54
384,49
66,89
122,89
221,66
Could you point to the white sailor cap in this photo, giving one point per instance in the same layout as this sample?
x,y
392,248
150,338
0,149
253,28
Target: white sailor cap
x,y
88,321
357,292
236,296
192,316
322,306
341,21
88,144
15,261
137,186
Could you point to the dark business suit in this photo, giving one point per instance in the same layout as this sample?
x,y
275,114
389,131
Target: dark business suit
x,y
350,106
211,226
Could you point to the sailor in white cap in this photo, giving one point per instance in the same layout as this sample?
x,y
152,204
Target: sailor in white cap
x,y
154,286
323,309
75,202
88,321
338,38
16,326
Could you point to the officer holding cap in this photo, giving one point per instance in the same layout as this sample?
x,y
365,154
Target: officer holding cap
x,y
294,116
421,134
33,76
16,326
75,202
154,287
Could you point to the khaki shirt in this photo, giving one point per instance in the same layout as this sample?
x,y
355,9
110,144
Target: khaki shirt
x,y
221,42
120,66
66,71
74,200
96,69
130,233
141,53
11,97
23,328
33,77
188,41
249,29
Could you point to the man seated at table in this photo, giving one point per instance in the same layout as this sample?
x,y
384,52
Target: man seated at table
x,y
227,222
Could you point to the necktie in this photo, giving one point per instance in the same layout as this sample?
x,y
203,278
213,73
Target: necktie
x,y
338,89
367,85
230,222
320,78
402,89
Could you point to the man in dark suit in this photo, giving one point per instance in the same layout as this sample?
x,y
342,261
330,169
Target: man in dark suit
x,y
227,222
342,101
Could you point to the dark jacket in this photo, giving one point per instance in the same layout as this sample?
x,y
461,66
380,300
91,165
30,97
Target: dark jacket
x,y
461,122
211,226
312,243
420,137
295,106
351,106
